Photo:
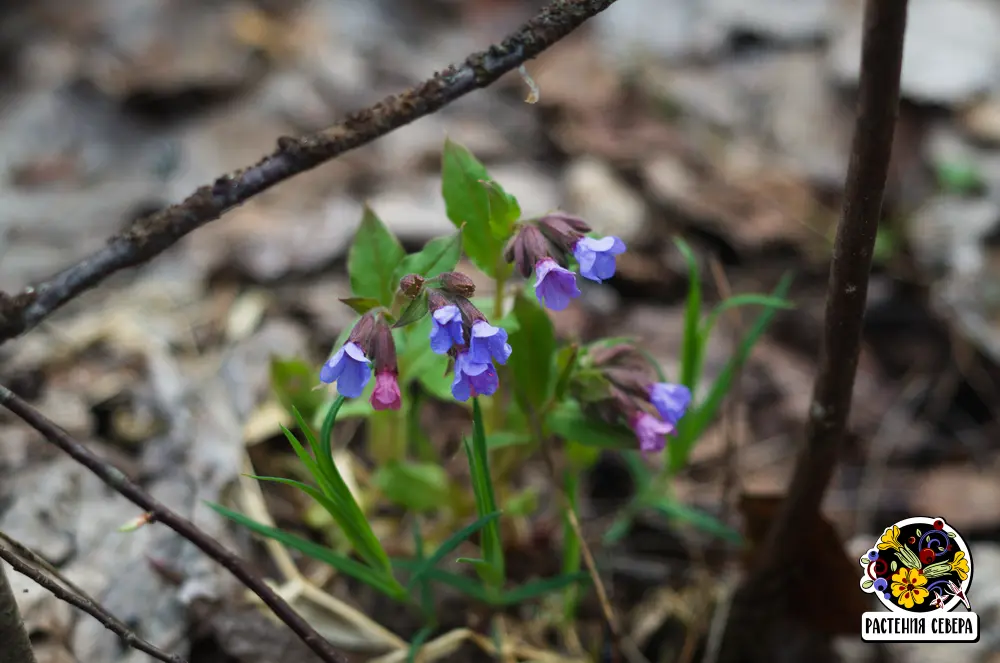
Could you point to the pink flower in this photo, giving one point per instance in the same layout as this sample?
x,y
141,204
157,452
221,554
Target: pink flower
x,y
386,393
651,432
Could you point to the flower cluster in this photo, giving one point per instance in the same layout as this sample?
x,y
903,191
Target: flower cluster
x,y
652,409
351,368
545,247
461,331
458,329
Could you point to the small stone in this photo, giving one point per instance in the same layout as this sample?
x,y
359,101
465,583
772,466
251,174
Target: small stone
x,y
596,194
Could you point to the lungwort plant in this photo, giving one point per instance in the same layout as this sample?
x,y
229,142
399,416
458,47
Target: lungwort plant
x,y
422,334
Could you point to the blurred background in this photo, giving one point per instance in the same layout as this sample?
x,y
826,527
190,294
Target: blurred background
x,y
723,121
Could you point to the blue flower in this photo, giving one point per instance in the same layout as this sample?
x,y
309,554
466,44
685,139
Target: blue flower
x,y
597,256
349,368
555,285
473,378
670,400
488,343
446,329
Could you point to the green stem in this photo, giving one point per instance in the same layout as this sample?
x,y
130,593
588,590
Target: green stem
x,y
387,436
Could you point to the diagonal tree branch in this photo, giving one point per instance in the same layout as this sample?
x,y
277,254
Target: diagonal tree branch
x,y
27,567
152,235
163,514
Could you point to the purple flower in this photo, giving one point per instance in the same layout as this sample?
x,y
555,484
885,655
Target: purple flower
x,y
670,400
488,343
597,256
386,395
349,368
650,431
473,378
446,329
555,285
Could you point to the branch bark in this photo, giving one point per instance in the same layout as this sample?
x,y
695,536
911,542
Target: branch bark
x,y
152,235
77,598
769,587
15,647
116,479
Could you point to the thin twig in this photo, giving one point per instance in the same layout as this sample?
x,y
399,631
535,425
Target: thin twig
x,y
28,569
152,235
162,514
765,591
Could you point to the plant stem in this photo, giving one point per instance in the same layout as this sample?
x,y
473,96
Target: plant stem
x,y
15,647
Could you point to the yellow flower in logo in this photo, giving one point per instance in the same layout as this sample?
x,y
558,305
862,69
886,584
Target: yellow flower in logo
x,y
890,539
960,565
908,587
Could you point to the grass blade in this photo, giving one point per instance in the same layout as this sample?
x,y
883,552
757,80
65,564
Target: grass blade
x,y
740,300
385,584
695,422
537,588
449,546
691,347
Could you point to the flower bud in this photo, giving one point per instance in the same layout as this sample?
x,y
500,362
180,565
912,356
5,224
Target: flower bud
x,y
411,285
527,247
456,283
363,330
470,313
383,347
436,300
563,230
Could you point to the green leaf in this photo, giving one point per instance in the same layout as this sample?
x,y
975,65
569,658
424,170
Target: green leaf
x,y
504,210
532,590
414,311
568,421
293,382
466,202
361,305
439,255
893,565
418,641
566,363
691,348
449,546
533,351
492,569
417,486
697,420
867,584
507,438
736,301
383,582
466,585
699,519
373,259
959,177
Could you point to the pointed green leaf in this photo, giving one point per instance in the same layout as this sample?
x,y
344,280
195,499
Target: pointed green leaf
x,y
537,588
385,583
446,548
361,305
736,301
504,210
568,421
373,259
466,202
533,345
697,420
439,255
691,347
699,519
414,311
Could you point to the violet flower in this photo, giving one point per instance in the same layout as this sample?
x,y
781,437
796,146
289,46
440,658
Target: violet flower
x,y
650,431
597,256
446,329
488,343
386,395
349,368
555,285
473,378
670,400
